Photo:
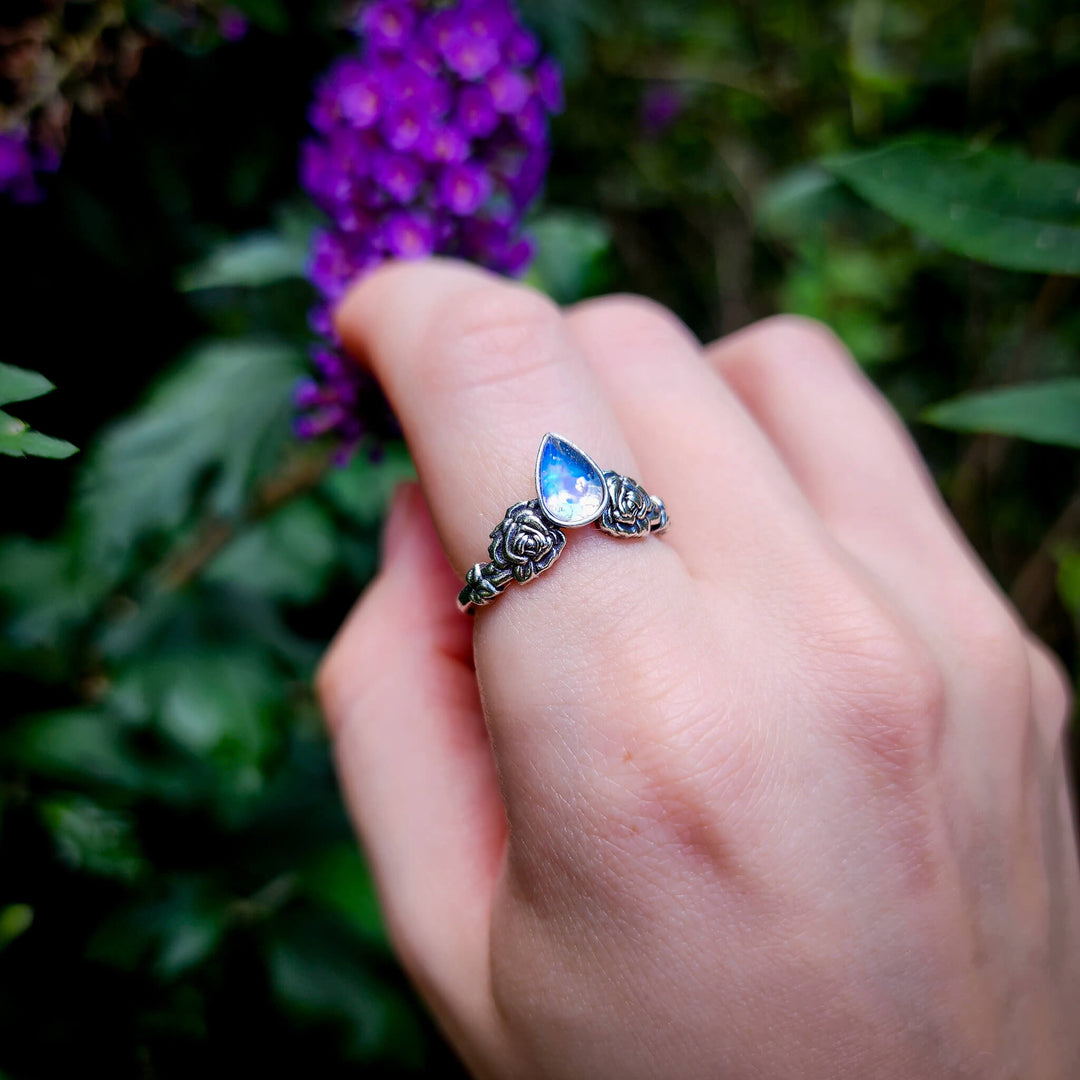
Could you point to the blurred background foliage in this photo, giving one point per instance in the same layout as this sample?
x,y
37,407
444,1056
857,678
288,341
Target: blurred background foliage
x,y
179,889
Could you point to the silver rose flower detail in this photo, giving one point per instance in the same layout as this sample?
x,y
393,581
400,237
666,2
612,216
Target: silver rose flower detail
x,y
630,510
525,542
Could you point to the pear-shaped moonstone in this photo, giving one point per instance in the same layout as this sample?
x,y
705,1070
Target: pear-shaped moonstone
x,y
569,483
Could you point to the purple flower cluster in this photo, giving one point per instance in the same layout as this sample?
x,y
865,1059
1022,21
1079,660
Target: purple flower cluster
x,y
20,161
432,138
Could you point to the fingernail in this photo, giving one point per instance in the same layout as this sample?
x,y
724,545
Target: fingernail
x,y
398,518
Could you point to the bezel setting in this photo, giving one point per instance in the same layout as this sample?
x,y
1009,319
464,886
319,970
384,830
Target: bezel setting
x,y
549,439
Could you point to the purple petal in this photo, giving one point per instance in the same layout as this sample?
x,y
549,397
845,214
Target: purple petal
x,y
444,143
476,113
360,100
404,125
522,46
470,56
518,256
319,422
490,19
484,242
464,188
321,321
388,24
400,175
549,85
307,394
409,82
509,89
409,235
438,28
531,122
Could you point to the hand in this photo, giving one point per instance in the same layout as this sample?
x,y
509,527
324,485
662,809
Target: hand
x,y
780,794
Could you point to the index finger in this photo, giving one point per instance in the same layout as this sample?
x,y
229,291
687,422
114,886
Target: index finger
x,y
477,370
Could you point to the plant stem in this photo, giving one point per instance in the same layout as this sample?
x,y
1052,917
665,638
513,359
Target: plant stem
x,y
1034,591
297,476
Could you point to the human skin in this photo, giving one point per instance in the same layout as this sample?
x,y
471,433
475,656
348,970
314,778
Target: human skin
x,y
780,794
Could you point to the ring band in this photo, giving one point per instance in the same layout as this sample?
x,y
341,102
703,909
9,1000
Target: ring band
x,y
571,491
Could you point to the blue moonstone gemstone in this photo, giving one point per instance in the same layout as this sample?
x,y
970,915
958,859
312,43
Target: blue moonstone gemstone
x,y
569,483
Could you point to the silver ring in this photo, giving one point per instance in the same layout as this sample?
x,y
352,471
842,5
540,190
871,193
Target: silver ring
x,y
571,491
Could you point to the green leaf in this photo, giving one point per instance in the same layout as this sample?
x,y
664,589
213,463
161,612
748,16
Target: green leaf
x,y
19,384
1068,578
1045,412
251,261
15,920
362,488
80,746
18,440
45,596
339,878
570,252
92,838
318,976
218,706
96,747
16,437
175,933
798,203
187,942
289,556
996,206
208,432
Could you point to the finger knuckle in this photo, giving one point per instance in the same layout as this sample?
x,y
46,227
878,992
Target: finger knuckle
x,y
769,349
629,319
992,646
490,335
898,715
799,335
1052,693
662,814
884,689
996,644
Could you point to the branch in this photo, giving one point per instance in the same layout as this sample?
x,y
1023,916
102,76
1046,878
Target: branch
x,y
297,476
679,70
1034,591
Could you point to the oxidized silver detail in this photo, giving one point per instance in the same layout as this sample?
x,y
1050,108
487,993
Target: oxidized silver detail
x,y
523,545
526,542
630,510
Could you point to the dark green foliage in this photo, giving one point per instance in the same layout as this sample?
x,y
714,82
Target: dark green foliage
x,y
16,438
181,894
1047,412
1000,208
